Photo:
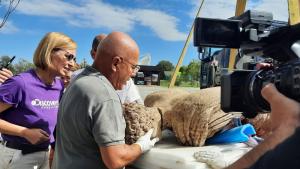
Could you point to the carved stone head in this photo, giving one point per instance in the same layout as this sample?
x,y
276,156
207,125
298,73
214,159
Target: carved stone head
x,y
140,119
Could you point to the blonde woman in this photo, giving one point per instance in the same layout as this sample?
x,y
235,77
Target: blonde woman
x,y
29,104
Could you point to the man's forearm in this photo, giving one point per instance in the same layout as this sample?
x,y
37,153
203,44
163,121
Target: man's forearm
x,y
132,153
119,156
277,137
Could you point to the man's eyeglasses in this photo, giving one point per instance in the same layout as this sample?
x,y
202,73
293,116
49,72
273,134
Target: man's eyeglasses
x,y
68,55
134,67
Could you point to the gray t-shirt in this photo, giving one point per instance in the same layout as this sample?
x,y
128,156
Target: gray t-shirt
x,y
128,94
90,116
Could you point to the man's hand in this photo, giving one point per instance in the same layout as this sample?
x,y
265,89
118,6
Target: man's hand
x,y
145,141
284,111
5,74
285,119
263,66
36,136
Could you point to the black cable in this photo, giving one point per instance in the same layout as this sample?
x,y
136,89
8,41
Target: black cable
x,y
10,9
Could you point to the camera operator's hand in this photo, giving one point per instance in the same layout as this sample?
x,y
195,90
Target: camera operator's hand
x,y
284,111
145,141
285,119
263,66
5,74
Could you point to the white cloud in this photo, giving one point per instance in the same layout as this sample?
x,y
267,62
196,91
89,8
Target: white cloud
x,y
226,8
8,28
279,8
213,8
51,8
162,24
218,9
97,14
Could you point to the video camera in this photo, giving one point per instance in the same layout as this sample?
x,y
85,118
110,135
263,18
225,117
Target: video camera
x,y
255,33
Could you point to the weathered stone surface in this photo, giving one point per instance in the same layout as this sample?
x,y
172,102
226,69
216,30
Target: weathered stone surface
x,y
165,101
139,119
198,116
193,117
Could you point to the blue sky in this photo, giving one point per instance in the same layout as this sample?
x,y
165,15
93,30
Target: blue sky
x,y
160,27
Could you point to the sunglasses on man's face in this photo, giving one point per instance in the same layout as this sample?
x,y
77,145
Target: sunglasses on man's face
x,y
68,55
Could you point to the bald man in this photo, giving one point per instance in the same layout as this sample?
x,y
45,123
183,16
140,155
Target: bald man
x,y
129,93
97,39
91,126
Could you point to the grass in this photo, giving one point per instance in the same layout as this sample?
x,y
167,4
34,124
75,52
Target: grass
x,y
165,83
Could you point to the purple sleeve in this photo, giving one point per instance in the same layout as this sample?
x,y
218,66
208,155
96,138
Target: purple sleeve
x,y
11,91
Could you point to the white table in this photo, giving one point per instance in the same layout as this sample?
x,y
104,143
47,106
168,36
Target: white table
x,y
169,154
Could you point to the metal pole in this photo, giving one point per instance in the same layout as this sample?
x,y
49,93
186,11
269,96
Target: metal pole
x,y
294,12
183,52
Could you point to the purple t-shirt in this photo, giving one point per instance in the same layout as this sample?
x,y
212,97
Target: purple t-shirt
x,y
35,105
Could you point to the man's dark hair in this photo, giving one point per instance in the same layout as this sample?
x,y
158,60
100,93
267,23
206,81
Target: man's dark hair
x,y
97,40
95,44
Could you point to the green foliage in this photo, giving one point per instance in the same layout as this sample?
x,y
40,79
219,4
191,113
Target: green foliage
x,y
190,73
193,69
184,73
164,83
83,64
180,83
188,76
183,69
21,66
4,60
189,84
165,65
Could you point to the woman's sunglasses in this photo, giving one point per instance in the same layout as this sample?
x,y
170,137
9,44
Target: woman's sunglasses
x,y
68,55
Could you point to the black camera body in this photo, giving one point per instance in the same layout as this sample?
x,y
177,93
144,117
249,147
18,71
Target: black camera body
x,y
257,34
240,90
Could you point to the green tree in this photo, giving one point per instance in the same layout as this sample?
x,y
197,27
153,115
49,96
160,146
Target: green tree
x,y
165,65
83,64
193,69
183,69
21,66
184,74
4,60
